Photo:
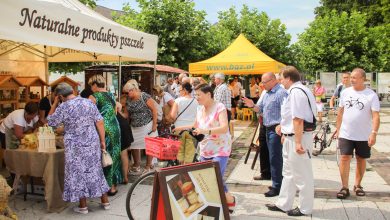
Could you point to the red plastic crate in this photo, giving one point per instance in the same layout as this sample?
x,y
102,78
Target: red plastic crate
x,y
162,148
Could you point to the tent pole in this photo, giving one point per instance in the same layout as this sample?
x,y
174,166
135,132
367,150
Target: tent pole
x,y
154,72
46,70
120,79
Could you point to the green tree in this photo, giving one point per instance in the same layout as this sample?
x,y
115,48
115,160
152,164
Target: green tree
x,y
89,3
337,42
270,36
377,11
181,29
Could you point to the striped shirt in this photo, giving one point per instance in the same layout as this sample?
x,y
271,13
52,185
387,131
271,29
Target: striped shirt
x,y
271,104
223,95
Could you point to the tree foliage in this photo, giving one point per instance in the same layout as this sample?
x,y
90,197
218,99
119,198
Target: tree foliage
x,y
377,11
181,29
342,41
89,3
268,35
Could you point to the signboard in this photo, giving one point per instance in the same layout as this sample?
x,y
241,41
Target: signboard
x,y
383,83
189,192
328,81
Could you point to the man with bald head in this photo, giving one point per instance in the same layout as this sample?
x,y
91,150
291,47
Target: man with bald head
x,y
270,107
357,127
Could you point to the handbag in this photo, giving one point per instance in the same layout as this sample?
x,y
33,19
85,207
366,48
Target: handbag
x,y
106,159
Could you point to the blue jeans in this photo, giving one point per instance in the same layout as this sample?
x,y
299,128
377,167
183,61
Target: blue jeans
x,y
223,161
275,157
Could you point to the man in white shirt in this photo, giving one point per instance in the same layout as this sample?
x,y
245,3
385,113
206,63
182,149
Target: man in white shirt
x,y
297,109
357,127
16,124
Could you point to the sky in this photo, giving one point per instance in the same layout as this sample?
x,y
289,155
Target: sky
x,y
295,14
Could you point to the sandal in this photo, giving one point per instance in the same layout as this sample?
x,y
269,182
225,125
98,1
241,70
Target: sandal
x,y
135,171
359,190
343,193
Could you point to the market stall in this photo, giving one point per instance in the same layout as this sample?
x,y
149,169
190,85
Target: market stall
x,y
9,94
29,83
64,79
240,58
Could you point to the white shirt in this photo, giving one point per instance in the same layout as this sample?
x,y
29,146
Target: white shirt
x,y
236,89
165,99
189,115
175,88
253,90
296,105
17,118
357,118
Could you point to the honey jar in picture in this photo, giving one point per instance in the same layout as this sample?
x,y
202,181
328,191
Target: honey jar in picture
x,y
192,197
183,203
187,187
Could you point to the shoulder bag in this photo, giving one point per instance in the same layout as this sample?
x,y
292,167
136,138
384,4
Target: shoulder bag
x,y
308,126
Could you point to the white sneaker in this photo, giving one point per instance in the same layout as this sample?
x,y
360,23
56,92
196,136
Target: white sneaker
x,y
106,206
80,210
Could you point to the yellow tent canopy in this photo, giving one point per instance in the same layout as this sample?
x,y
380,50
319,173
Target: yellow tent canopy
x,y
241,57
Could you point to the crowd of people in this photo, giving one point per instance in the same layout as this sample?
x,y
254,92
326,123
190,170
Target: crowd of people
x,y
96,122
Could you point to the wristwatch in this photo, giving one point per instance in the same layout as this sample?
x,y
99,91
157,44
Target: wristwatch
x,y
209,132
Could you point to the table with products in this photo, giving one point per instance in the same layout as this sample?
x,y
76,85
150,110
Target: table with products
x,y
47,165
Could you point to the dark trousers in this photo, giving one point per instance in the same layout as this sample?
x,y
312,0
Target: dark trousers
x,y
2,140
275,156
265,169
229,115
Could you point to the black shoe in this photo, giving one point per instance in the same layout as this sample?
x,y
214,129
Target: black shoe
x,y
272,193
261,177
273,207
295,212
109,193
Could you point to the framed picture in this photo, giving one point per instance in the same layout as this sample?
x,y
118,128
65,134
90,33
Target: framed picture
x,y
192,192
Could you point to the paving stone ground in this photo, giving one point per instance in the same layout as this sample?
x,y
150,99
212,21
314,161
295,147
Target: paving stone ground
x,y
250,193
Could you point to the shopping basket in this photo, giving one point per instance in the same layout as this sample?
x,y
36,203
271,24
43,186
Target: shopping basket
x,y
162,148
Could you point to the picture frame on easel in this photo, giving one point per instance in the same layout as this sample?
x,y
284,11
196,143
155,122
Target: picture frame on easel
x,y
190,192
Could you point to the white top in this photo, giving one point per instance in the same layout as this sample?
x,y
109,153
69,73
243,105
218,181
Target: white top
x,y
253,90
296,105
189,115
357,118
175,88
236,89
17,118
165,99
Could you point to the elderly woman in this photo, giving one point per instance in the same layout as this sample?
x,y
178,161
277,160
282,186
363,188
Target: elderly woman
x,y
319,93
184,111
141,110
211,121
105,102
84,140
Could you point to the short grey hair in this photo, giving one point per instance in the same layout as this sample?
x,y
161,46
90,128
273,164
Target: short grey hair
x,y
360,71
64,89
219,76
130,85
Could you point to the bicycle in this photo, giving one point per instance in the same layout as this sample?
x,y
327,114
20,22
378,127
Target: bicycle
x,y
139,196
320,137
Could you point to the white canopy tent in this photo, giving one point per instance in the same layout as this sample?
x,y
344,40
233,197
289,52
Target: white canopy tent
x,y
42,31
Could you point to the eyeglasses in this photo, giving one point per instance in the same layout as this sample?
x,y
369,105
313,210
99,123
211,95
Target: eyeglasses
x,y
267,81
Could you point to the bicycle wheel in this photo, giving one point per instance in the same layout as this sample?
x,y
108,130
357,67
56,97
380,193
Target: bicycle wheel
x,y
139,197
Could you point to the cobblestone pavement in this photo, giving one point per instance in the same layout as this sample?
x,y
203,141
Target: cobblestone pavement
x,y
251,201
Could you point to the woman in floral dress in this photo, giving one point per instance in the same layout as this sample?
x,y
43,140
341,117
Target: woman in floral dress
x,y
84,140
105,102
211,121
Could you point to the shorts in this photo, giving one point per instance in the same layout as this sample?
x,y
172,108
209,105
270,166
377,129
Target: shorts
x,y
319,106
361,148
234,103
